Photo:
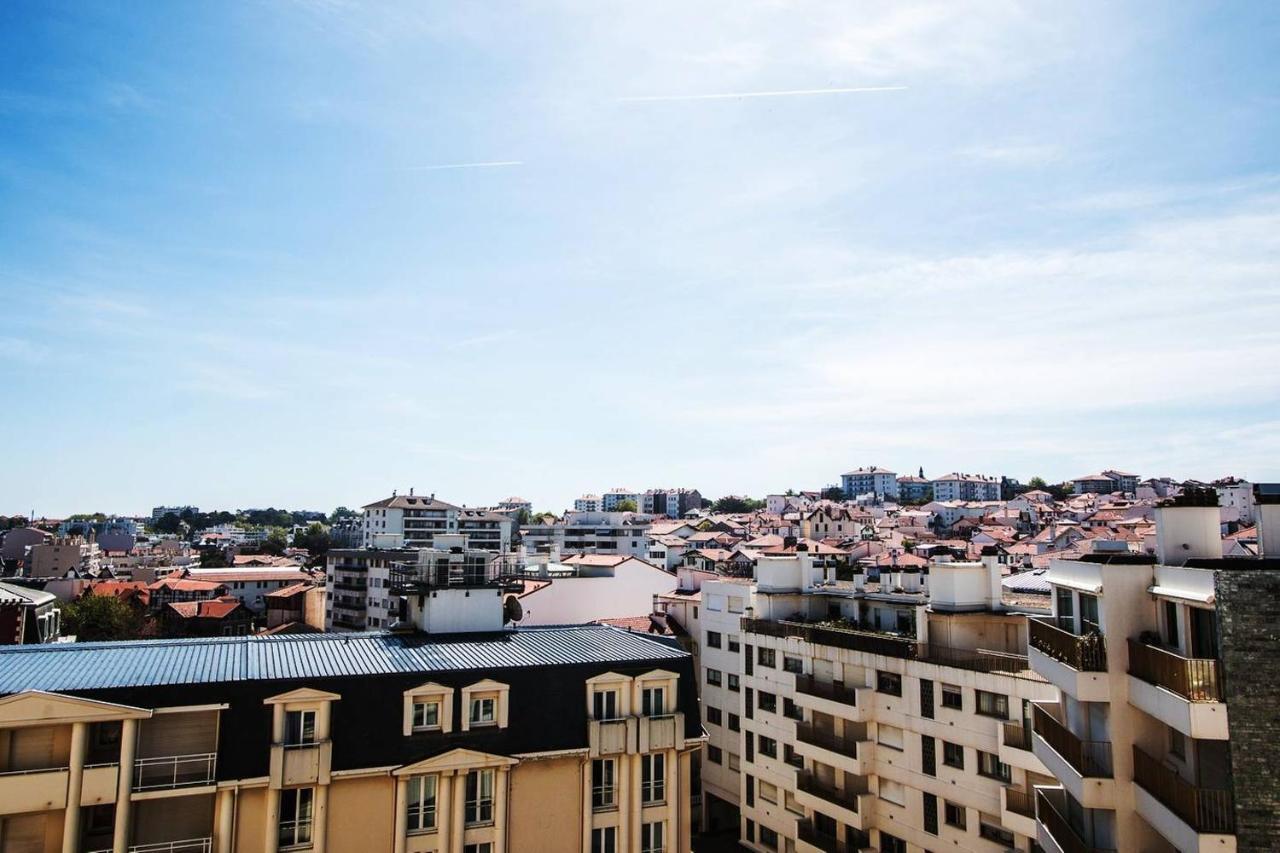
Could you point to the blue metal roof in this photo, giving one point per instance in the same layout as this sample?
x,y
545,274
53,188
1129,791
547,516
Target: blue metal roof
x,y
141,663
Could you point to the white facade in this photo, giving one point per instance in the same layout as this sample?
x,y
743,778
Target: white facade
x,y
619,591
966,487
873,480
588,503
591,533
614,497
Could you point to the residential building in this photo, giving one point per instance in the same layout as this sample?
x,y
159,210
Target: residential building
x,y
15,544
410,521
177,588
590,587
673,503
297,607
845,715
161,511
1235,499
515,505
1165,734
914,489
63,556
836,522
870,480
588,503
218,617
966,487
28,616
590,533
251,586
1105,483
468,739
614,497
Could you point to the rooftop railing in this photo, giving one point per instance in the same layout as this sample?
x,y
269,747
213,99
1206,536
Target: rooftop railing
x,y
1086,653
1194,679
835,634
1091,758
1206,810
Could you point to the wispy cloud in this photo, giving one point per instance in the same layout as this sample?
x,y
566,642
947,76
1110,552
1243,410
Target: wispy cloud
x,y
1016,154
487,164
786,93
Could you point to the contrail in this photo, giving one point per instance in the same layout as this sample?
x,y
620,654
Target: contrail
x,y
782,94
488,165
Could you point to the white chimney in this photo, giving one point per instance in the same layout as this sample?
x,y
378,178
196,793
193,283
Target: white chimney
x,y
1188,527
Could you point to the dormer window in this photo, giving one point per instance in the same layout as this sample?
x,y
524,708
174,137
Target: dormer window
x,y
605,705
428,708
426,715
299,728
653,701
484,711
485,704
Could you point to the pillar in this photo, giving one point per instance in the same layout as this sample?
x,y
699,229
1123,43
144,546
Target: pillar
x,y
500,810
458,818
271,820
75,785
124,786
585,799
226,822
633,802
444,810
623,794
320,820
402,814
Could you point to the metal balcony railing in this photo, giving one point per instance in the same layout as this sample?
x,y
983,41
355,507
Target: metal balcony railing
x,y
809,783
1091,758
810,834
1061,830
1020,802
843,744
1086,653
174,771
1017,736
1207,810
832,634
1194,679
981,660
834,691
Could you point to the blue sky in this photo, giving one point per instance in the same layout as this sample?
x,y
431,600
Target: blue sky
x,y
1045,241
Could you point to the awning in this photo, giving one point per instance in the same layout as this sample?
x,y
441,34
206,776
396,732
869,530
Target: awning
x,y
1093,588
1184,594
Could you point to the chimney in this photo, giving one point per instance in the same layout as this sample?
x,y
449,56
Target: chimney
x,y
1188,527
1267,498
411,491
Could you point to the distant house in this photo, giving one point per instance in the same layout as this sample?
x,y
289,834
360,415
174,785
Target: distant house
x,y
28,616
300,605
219,617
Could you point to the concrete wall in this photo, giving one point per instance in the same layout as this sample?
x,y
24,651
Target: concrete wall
x,y
543,818
362,813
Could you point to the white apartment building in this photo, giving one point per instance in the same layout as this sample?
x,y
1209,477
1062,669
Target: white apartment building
x,y
590,533
412,521
1164,737
1235,499
588,503
673,503
842,717
612,498
1106,482
966,487
871,480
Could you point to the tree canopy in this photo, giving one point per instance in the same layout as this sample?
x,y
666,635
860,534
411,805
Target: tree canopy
x,y
736,503
101,617
627,505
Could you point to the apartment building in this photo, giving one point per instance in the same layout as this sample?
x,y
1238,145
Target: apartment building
x,y
611,499
63,556
913,488
412,521
673,503
467,738
1106,482
870,480
1165,735
843,715
966,487
590,533
160,512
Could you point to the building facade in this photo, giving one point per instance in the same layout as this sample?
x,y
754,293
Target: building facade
x,y
966,487
871,480
412,521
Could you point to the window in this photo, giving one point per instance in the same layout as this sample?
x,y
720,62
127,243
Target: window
x,y
734,762
749,705
604,840
604,784
715,716
928,755
930,814
421,803
748,662
768,792
653,701
482,847
790,664
1066,608
791,710
891,843
426,715
768,747
713,639
653,778
733,683
1089,614
1177,744
299,728
297,806
926,698
734,644
767,657
604,705
484,711
888,682
767,702
715,754
713,677
750,741
998,834
953,755
989,765
890,736
1171,624
768,838
651,835
893,792
952,697
993,704
479,802
735,722
749,786
954,815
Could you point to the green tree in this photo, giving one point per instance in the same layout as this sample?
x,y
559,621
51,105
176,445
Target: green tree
x,y
275,543
1038,483
736,504
213,558
627,505
341,513
168,523
833,493
315,539
101,617
522,517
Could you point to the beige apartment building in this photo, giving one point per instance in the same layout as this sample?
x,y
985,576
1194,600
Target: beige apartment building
x,y
1165,736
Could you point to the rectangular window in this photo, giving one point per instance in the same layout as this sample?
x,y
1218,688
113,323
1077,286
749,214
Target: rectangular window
x,y
300,728
734,643
768,792
955,815
750,741
953,755
653,701
790,664
930,814
482,847
768,747
890,736
297,809
484,711
888,682
928,755
952,697
422,803
767,657
989,765
734,762
891,843
1171,624
998,834
735,722
926,698
604,784
714,754
1177,744
715,716
748,661
604,839
767,702
713,639
479,801
791,710
653,778
604,705
651,837
749,705
893,792
713,677
993,704
426,715
733,683
768,838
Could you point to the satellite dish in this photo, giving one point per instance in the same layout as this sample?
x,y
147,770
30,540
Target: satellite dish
x,y
512,611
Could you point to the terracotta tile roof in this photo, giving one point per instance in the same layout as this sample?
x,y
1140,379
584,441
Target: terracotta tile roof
x,y
217,608
185,585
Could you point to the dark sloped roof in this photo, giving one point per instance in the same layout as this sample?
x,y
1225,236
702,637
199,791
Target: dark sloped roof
x,y
142,663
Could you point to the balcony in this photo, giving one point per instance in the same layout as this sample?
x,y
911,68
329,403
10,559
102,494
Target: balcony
x,y
661,732
187,845
36,790
169,772
1184,693
848,752
1179,810
845,806
832,691
1082,766
300,764
1015,749
981,660
835,634
1018,811
611,737
1075,664
819,840
1016,736
1055,831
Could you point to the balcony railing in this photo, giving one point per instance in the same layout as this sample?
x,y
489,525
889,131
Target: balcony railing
x,y
1206,810
981,660
1061,830
1194,679
174,771
834,691
1020,802
1017,736
809,783
810,834
1086,653
187,845
833,634
843,744
1091,758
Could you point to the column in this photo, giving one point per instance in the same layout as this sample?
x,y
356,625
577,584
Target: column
x,y
320,820
271,820
75,784
678,827
500,810
585,799
623,781
226,822
124,786
633,802
402,815
459,816
444,810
